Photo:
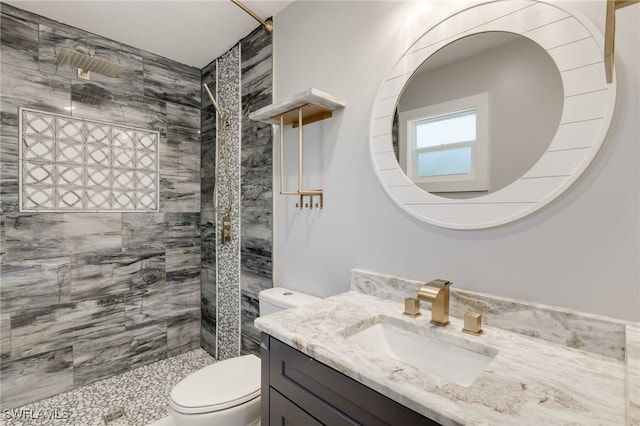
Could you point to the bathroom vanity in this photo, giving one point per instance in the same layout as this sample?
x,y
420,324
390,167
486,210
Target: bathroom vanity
x,y
291,380
315,372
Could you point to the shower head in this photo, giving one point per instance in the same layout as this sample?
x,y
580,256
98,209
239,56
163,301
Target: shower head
x,y
88,63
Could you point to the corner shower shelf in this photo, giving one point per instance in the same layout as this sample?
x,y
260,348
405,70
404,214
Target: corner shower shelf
x,y
305,107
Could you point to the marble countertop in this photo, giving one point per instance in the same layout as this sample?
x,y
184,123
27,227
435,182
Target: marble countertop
x,y
529,382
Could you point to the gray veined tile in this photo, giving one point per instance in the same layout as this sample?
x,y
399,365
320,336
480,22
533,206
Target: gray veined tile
x,y
57,326
187,70
184,124
180,160
18,42
36,377
183,333
208,308
5,334
34,283
35,236
160,230
9,168
93,101
250,335
3,247
95,276
163,81
162,305
183,265
94,232
96,359
21,87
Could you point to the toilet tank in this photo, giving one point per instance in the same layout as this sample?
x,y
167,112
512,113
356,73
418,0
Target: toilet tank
x,y
280,298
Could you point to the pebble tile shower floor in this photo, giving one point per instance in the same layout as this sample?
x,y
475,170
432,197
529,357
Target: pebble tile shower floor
x,y
142,395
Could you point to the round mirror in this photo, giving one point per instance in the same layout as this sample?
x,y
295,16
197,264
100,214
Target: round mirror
x,y
574,45
477,114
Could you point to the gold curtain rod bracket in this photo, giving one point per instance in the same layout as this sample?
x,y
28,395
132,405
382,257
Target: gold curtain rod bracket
x,y
266,25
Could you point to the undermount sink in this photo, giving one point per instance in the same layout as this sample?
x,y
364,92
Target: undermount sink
x,y
450,357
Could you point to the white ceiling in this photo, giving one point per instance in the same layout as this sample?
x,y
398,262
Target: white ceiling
x,y
190,32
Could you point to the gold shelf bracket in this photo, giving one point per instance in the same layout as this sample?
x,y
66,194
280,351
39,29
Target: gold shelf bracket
x,y
302,193
610,33
298,110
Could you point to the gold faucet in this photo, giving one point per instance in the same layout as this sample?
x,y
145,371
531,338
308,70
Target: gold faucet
x,y
437,292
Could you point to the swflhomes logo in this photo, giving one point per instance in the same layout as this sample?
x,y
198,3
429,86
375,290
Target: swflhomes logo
x,y
21,413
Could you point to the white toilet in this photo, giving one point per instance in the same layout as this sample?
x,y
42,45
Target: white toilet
x,y
227,393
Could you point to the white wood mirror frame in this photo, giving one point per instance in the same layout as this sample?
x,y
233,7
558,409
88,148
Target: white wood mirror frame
x,y
575,44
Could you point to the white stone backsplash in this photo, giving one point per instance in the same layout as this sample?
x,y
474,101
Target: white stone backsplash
x,y
591,333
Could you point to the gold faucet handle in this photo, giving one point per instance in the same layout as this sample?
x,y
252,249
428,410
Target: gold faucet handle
x,y
412,307
472,323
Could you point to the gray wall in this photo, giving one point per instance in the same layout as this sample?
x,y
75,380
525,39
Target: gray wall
x,y
88,295
223,284
579,252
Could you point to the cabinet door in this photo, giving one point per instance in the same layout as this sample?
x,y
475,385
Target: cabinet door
x,y
285,413
331,397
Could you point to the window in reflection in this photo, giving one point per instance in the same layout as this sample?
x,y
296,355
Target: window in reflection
x,y
447,144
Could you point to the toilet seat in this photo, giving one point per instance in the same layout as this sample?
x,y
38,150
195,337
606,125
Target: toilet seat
x,y
220,386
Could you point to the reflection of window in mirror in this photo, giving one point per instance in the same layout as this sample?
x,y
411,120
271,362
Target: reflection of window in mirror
x,y
444,147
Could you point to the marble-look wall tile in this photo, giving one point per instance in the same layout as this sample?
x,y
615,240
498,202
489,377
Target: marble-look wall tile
x,y
180,160
96,276
36,377
591,333
257,189
208,311
250,335
57,326
46,235
34,284
3,245
99,101
163,81
96,359
23,87
183,333
19,42
5,334
160,230
75,286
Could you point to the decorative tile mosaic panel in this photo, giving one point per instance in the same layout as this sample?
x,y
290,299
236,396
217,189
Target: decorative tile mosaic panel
x,y
228,254
72,164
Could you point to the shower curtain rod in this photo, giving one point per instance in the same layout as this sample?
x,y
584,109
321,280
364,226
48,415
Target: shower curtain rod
x,y
267,25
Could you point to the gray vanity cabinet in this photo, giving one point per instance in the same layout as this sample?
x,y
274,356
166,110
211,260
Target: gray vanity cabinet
x,y
298,390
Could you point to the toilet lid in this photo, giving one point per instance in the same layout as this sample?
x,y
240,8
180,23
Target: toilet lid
x,y
219,386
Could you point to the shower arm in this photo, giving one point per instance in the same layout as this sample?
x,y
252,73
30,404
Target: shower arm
x,y
266,25
224,119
